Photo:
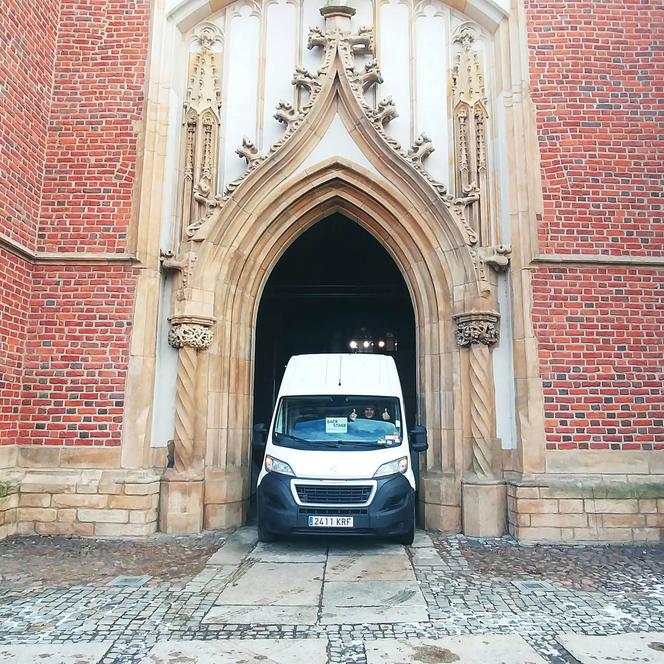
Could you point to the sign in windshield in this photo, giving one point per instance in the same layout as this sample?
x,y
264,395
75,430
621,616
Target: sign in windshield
x,y
338,422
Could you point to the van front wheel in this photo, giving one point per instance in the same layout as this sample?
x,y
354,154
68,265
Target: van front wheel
x,y
263,535
409,535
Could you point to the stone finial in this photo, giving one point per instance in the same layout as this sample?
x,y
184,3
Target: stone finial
x,y
477,327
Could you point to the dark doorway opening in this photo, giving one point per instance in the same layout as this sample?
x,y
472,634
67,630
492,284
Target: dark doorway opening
x,y
335,284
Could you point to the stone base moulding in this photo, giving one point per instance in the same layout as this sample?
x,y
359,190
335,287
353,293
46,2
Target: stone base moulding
x,y
484,508
587,509
94,503
181,505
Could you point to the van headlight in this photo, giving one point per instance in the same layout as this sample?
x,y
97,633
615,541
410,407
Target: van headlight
x,y
393,467
273,465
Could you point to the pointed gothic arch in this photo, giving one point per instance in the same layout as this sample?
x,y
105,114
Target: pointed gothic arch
x,y
230,251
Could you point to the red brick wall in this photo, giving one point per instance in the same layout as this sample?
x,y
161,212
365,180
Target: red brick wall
x,y
598,85
600,332
15,277
68,154
76,356
97,109
27,47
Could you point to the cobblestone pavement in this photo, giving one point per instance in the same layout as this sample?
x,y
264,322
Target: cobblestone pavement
x,y
56,591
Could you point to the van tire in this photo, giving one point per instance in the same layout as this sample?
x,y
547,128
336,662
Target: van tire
x,y
408,537
263,535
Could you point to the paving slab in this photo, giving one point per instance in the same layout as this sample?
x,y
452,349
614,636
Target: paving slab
x,y
497,649
427,556
372,593
262,615
290,552
422,538
236,651
235,548
363,547
54,653
616,649
283,584
385,567
372,615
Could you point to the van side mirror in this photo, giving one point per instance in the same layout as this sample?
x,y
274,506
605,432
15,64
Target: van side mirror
x,y
418,439
258,443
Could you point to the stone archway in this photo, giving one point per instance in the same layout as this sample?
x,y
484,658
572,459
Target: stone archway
x,y
225,264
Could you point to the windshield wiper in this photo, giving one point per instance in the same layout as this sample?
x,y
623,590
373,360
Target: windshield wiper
x,y
289,437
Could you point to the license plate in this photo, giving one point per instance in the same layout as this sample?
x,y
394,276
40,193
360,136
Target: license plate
x,y
331,521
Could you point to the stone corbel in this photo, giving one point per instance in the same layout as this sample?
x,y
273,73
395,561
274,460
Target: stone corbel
x,y
189,335
497,257
478,331
183,263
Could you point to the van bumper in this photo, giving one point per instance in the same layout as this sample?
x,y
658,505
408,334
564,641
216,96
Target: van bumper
x,y
390,513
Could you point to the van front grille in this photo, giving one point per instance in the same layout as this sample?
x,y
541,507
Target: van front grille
x,y
355,494
333,511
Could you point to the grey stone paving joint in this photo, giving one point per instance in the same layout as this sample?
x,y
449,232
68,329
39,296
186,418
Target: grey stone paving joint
x,y
470,587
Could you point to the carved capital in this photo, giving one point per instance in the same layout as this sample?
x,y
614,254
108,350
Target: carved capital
x,y
191,335
477,327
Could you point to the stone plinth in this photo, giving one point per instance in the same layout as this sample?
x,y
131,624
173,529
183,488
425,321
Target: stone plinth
x,y
439,500
484,508
226,497
181,505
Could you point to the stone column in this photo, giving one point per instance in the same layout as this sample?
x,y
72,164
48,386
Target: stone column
x,y
483,497
181,504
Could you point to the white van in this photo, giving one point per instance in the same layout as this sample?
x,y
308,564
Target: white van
x,y
337,456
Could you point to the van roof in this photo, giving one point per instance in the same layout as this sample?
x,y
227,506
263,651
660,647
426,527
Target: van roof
x,y
341,373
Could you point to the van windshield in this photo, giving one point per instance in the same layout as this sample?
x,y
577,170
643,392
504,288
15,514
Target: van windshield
x,y
338,422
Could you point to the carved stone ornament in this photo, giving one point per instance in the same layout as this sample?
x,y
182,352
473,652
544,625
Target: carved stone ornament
x,y
191,335
248,151
469,204
479,327
469,120
421,149
183,263
202,115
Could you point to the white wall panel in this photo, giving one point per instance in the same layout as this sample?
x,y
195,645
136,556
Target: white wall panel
x,y
280,56
241,85
394,59
337,142
431,71
310,18
503,368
